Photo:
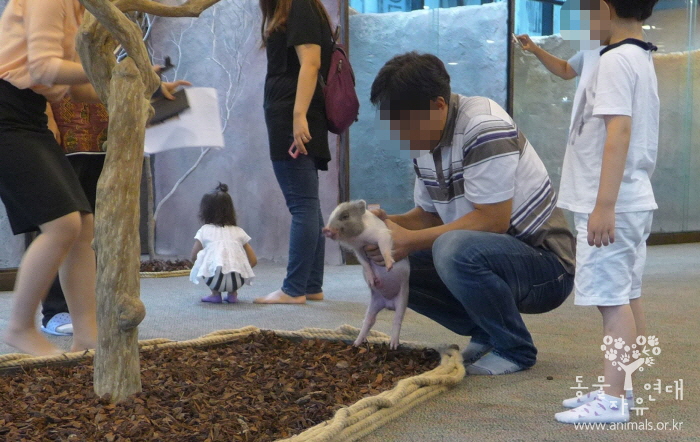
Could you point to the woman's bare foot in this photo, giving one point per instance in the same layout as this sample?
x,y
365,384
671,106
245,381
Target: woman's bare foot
x,y
82,345
315,296
279,297
30,341
84,333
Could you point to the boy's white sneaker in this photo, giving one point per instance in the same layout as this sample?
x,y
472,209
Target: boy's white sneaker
x,y
577,401
603,409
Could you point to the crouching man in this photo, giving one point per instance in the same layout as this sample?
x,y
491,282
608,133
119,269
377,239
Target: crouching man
x,y
485,240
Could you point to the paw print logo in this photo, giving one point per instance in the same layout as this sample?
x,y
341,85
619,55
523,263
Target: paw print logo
x,y
642,351
649,344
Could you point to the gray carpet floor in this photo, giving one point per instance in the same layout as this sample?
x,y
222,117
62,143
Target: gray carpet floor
x,y
515,407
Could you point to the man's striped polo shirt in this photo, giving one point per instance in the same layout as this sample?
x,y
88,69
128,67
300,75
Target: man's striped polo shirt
x,y
483,158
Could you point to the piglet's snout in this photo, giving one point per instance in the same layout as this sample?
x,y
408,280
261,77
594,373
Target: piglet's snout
x,y
330,233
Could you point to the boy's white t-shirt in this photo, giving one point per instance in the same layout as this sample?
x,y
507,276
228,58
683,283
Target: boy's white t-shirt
x,y
585,63
624,84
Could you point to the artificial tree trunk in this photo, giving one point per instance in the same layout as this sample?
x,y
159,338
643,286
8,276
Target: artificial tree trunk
x,y
126,89
119,308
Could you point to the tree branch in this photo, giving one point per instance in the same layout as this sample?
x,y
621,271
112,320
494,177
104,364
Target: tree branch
x,y
191,8
128,34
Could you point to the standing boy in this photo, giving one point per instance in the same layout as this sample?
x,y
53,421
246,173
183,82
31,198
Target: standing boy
x,y
606,183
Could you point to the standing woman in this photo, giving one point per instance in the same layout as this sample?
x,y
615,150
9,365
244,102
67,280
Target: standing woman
x,y
40,190
38,187
297,37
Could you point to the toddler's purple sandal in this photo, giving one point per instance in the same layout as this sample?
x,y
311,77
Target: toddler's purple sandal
x,y
214,299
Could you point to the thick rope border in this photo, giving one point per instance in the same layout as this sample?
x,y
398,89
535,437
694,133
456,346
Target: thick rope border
x,y
169,274
349,423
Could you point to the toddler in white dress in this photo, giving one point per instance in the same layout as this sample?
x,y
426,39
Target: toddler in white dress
x,y
222,254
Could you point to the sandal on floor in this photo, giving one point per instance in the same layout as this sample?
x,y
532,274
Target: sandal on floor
x,y
60,325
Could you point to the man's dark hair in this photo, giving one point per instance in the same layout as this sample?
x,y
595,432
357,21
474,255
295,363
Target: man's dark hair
x,y
217,207
409,82
639,10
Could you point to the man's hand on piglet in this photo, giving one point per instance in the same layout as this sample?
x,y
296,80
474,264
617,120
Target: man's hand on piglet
x,y
400,237
380,213
373,253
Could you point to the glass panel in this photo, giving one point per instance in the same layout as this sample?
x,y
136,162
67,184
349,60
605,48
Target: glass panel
x,y
672,28
693,213
469,37
542,102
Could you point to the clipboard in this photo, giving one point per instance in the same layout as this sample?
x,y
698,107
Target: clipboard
x,y
165,109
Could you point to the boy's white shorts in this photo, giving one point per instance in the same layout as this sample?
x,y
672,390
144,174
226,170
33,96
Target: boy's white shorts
x,y
612,275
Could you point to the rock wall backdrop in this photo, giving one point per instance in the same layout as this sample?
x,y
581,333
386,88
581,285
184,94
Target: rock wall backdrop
x,y
471,40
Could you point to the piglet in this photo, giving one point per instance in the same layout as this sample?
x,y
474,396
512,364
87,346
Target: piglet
x,y
354,227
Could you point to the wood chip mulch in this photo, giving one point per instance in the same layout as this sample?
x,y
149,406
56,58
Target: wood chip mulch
x,y
159,265
259,388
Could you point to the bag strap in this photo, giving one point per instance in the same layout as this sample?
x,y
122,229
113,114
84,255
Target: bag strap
x,y
334,38
335,35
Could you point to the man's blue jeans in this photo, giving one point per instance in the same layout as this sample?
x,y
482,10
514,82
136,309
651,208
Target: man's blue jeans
x,y
298,179
477,284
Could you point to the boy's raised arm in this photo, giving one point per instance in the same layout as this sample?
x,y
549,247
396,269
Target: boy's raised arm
x,y
557,66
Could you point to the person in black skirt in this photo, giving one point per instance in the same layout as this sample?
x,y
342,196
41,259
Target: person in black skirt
x,y
40,190
38,187
297,38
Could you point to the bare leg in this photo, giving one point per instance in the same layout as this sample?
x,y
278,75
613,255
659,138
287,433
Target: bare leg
x,y
77,275
618,322
37,271
639,318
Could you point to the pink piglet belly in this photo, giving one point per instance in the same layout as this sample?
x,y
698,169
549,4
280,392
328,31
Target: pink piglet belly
x,y
392,280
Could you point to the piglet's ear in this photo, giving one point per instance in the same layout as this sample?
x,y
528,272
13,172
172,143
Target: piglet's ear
x,y
361,204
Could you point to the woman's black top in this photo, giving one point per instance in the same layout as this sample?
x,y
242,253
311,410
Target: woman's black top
x,y
305,25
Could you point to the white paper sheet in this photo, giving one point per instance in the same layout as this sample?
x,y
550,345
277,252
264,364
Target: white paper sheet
x,y
198,126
